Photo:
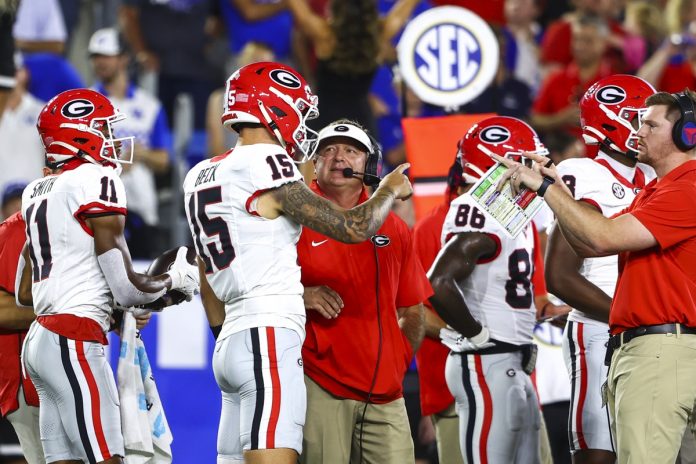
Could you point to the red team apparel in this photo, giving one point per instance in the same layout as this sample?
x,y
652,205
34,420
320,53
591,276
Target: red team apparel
x,y
610,187
251,265
12,241
63,351
646,293
431,356
340,354
564,88
498,410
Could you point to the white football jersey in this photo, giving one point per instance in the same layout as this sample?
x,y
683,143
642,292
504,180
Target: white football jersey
x,y
607,185
499,292
251,262
67,278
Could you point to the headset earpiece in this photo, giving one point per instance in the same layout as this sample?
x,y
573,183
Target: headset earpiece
x,y
684,130
373,159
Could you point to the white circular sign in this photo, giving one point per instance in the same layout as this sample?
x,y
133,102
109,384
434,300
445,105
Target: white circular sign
x,y
448,55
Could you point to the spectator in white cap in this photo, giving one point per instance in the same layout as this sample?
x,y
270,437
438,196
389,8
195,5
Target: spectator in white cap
x,y
146,121
21,151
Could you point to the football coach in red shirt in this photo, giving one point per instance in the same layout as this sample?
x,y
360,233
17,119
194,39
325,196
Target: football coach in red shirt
x,y
364,317
651,385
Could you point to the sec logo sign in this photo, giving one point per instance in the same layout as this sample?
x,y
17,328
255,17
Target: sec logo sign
x,y
448,55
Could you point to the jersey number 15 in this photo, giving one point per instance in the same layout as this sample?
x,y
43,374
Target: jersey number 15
x,y
222,254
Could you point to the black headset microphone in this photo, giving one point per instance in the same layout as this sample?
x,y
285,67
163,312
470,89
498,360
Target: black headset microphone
x,y
374,157
368,179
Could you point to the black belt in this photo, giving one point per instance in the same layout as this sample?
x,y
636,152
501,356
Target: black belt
x,y
626,336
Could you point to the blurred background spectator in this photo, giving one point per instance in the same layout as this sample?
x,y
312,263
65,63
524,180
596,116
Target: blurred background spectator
x,y
40,34
21,151
220,139
671,67
248,21
645,30
8,9
556,105
11,199
523,35
170,43
557,46
349,46
147,123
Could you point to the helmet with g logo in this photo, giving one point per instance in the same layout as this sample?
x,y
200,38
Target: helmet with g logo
x,y
77,124
278,97
609,111
502,135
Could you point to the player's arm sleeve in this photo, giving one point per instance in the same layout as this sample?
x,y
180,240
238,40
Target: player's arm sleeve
x,y
670,214
102,213
125,292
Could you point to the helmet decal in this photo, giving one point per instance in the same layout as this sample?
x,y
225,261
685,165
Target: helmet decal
x,y
285,78
495,134
79,108
610,95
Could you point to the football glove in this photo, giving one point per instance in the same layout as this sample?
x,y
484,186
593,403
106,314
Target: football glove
x,y
184,275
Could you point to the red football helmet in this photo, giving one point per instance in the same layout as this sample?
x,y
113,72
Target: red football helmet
x,y
78,124
278,97
609,111
503,135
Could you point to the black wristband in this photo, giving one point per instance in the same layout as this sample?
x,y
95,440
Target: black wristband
x,y
216,330
545,183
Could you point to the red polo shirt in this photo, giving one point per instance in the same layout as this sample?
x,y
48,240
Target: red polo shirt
x,y
658,285
564,88
12,240
340,354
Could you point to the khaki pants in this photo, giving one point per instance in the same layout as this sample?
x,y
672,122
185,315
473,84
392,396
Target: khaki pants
x,y
332,430
651,392
447,434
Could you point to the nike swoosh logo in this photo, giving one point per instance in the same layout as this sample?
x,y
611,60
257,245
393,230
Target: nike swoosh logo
x,y
316,244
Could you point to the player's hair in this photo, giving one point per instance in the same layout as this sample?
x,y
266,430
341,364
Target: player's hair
x,y
667,99
356,29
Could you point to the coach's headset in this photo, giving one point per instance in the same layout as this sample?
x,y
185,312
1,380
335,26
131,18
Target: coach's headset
x,y
373,148
684,130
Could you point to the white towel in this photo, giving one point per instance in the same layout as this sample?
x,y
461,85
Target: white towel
x,y
146,434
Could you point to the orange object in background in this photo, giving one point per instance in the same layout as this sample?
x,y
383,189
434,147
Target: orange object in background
x,y
431,144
